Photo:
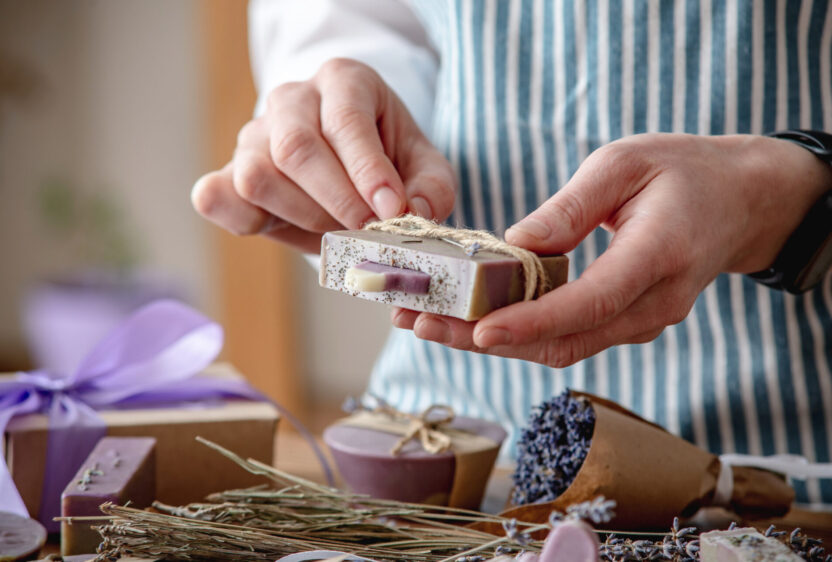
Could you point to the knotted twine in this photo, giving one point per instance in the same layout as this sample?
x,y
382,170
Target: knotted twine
x,y
536,278
424,426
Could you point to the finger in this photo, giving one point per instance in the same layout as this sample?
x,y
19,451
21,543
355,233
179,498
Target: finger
x,y
257,181
665,303
603,183
309,242
403,318
355,101
260,183
300,152
458,334
568,350
450,331
606,288
214,197
430,183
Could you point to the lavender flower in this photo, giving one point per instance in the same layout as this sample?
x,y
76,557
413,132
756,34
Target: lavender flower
x,y
552,448
598,510
512,532
350,405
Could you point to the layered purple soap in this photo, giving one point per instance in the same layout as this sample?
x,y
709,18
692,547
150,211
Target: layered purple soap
x,y
118,470
375,277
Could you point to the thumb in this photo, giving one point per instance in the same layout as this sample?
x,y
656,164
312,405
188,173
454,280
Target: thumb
x,y
429,181
604,182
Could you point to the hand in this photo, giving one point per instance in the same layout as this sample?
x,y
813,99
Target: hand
x,y
330,153
682,209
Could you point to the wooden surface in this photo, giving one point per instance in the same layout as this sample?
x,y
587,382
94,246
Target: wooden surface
x,y
256,275
295,456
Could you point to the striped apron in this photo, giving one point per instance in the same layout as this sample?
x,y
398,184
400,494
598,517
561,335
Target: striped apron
x,y
526,90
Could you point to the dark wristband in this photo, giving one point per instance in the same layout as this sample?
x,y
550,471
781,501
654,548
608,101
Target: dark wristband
x,y
807,254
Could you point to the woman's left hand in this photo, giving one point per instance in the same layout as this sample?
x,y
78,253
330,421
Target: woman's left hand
x,y
682,209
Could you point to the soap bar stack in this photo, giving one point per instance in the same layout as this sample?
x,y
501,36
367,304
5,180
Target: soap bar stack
x,y
424,274
118,470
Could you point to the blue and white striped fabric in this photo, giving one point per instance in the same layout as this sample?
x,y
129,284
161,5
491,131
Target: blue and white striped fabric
x,y
527,89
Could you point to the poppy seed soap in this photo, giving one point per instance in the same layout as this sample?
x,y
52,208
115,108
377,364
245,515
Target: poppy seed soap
x,y
425,274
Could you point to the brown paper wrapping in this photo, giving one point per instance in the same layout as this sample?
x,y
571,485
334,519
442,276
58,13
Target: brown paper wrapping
x,y
186,470
654,476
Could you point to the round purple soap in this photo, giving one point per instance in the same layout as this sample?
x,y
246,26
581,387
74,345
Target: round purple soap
x,y
413,475
21,538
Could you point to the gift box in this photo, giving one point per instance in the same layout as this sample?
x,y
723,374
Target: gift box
x,y
399,457
186,470
149,377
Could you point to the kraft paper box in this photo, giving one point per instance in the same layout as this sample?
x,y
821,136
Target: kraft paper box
x,y
186,470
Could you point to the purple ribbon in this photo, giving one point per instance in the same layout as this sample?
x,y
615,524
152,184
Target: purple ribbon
x,y
150,359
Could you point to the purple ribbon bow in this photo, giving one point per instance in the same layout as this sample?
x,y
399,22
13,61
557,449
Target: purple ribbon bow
x,y
151,358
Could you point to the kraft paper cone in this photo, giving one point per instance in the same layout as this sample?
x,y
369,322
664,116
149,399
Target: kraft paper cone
x,y
654,476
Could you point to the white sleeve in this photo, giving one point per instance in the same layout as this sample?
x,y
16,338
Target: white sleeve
x,y
290,39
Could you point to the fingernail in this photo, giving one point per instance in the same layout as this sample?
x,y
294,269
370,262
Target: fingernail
x,y
532,227
433,329
421,207
397,317
272,223
387,204
493,336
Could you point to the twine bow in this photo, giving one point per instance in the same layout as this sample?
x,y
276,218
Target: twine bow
x,y
426,426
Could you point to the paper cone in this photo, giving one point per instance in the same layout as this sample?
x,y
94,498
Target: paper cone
x,y
654,476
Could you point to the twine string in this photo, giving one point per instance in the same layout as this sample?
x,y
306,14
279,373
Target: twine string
x,y
535,276
427,426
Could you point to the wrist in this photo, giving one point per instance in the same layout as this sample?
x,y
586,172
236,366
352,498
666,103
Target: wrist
x,y
806,254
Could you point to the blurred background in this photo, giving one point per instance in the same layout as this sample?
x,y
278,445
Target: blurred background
x,y
109,111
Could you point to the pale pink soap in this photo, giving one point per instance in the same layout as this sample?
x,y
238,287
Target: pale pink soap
x,y
574,541
435,275
746,544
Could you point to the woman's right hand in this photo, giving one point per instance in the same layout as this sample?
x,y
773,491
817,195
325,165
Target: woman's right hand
x,y
333,152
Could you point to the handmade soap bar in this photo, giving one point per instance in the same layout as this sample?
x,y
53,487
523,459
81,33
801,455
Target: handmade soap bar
x,y
20,537
460,285
743,545
118,470
456,477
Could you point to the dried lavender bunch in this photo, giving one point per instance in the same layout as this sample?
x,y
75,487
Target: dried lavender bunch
x,y
552,448
806,547
681,544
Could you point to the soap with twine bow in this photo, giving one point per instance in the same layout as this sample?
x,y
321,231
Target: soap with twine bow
x,y
416,264
433,457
